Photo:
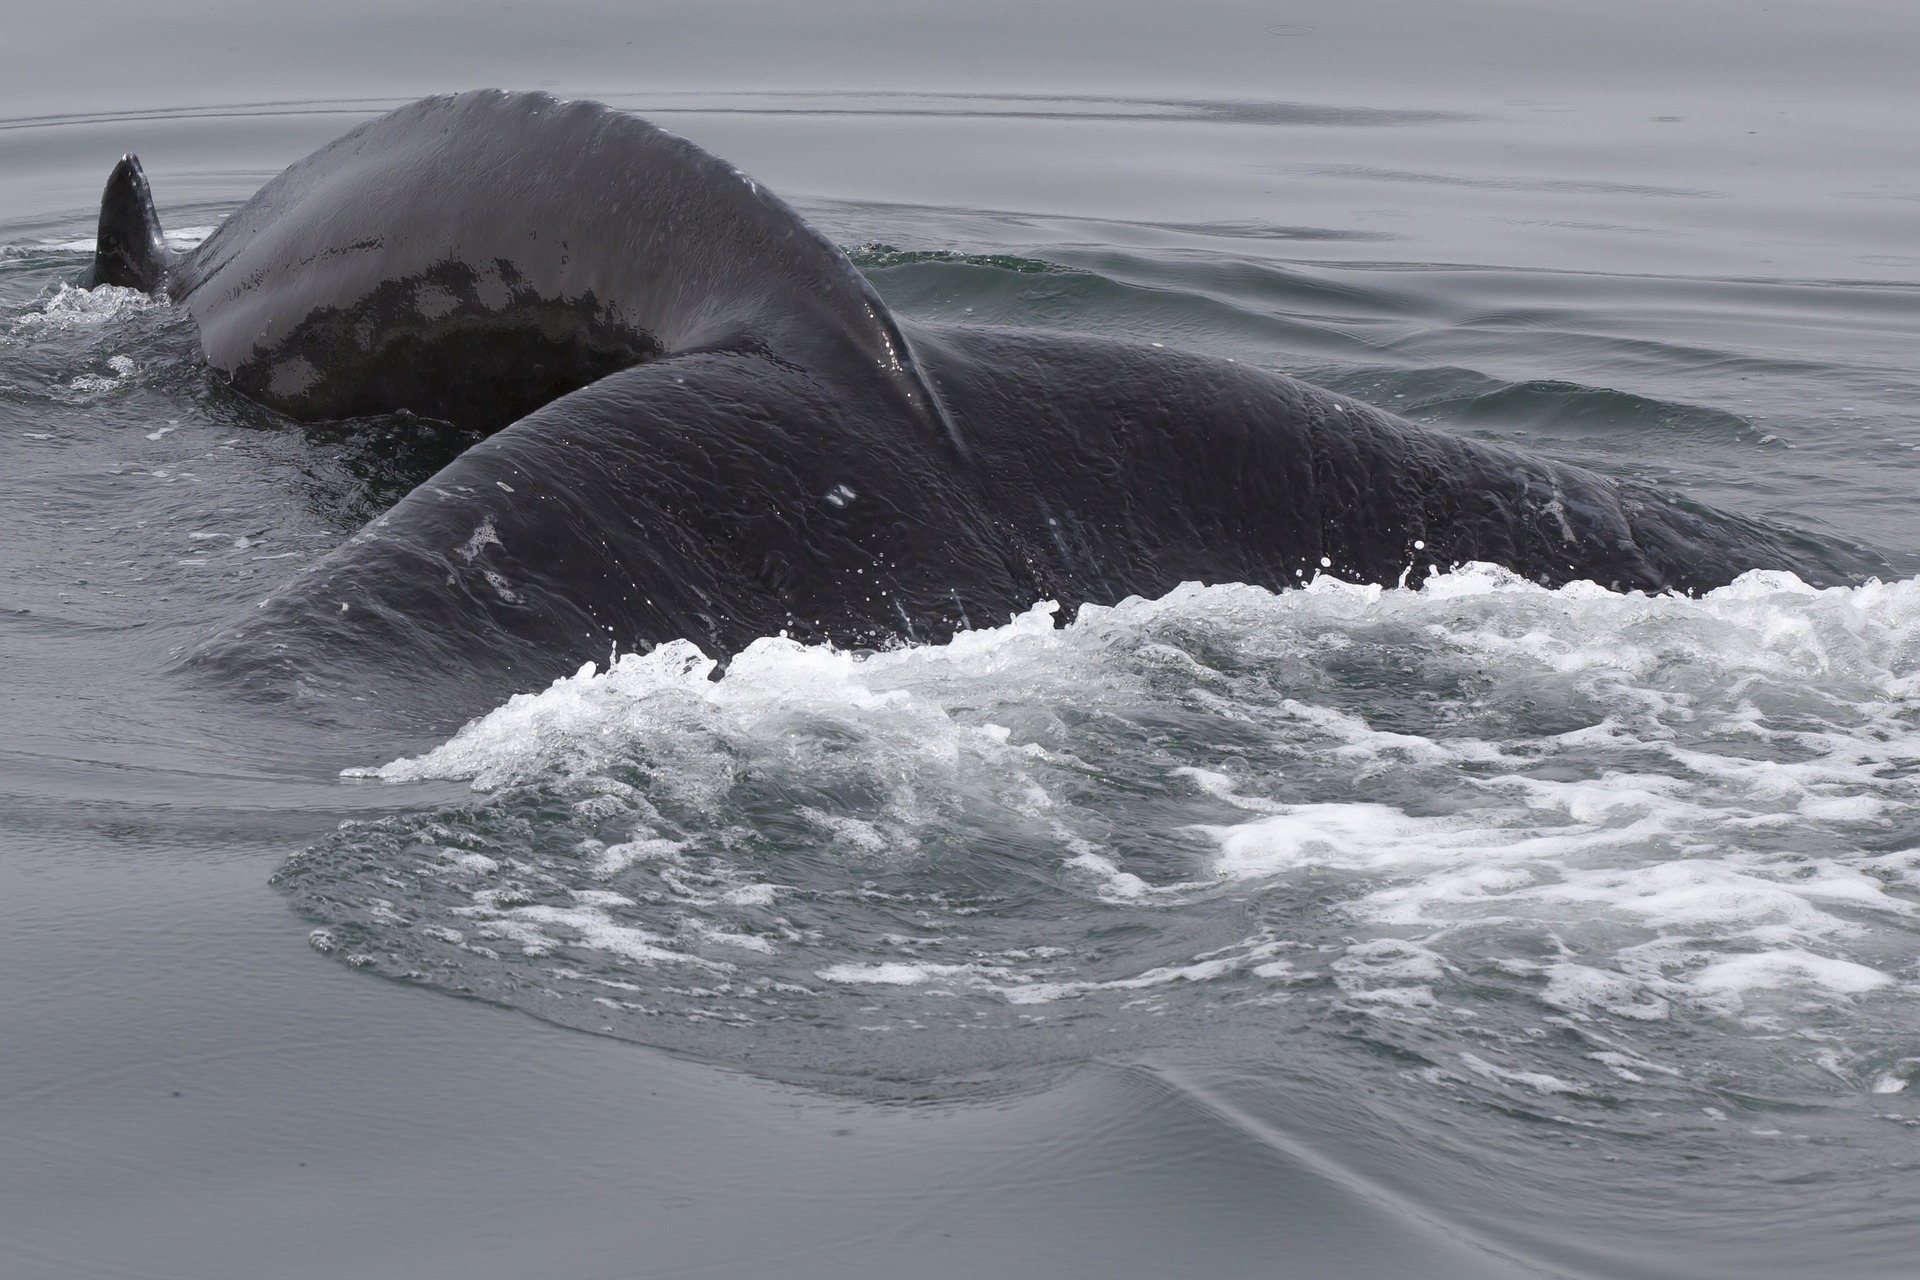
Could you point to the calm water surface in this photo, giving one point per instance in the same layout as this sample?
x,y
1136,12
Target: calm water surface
x,y
1479,931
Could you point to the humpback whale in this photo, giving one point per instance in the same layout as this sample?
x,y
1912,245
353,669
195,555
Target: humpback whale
x,y
701,422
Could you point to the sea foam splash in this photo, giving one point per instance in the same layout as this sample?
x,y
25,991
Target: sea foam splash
x,y
69,308
1566,843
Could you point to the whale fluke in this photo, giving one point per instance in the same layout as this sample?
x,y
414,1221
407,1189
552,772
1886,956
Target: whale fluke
x,y
130,250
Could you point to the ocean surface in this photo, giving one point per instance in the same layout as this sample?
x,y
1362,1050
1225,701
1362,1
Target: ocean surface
x,y
1475,931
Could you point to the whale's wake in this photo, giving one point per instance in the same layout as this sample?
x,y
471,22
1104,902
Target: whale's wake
x,y
1565,849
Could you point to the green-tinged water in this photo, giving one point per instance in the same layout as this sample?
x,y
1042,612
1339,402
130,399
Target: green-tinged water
x,y
1476,931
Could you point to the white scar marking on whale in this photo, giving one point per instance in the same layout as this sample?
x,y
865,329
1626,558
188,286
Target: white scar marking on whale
x,y
501,585
294,377
1558,510
435,302
484,536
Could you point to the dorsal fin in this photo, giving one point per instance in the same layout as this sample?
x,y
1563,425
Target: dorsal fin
x,y
130,250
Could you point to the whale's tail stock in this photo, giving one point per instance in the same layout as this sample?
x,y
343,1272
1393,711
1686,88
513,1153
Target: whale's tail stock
x,y
130,250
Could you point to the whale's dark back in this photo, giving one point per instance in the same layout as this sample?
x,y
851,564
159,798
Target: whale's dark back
x,y
1115,468
723,496
707,426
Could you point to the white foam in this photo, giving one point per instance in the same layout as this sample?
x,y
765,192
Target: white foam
x,y
1539,1082
565,718
899,974
1774,970
1350,837
1631,810
120,372
587,926
1579,989
68,308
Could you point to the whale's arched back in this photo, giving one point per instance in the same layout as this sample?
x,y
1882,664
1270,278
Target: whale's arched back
x,y
718,432
476,256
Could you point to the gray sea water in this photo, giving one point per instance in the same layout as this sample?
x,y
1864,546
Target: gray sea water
x,y
1477,931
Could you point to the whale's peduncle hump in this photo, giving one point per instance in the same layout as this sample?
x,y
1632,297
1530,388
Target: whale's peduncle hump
x,y
129,250
491,232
